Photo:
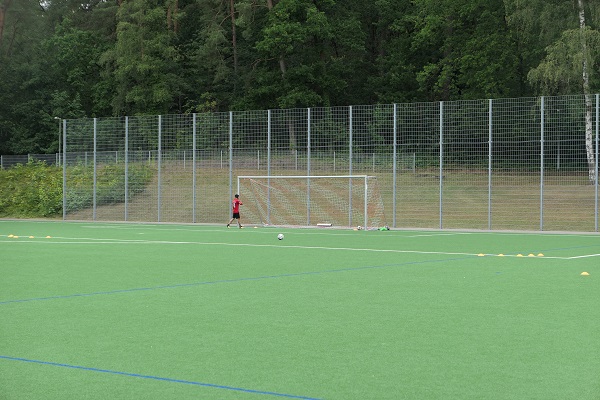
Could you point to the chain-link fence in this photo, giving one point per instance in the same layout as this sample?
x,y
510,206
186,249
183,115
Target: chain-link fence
x,y
515,164
11,161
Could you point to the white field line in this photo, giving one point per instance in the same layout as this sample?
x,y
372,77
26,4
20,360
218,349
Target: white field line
x,y
66,240
270,230
584,256
342,231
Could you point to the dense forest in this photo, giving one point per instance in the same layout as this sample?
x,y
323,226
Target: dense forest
x,y
78,58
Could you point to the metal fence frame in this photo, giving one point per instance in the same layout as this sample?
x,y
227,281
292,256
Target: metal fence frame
x,y
446,165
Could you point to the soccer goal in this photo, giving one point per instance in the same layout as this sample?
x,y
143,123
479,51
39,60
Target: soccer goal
x,y
333,200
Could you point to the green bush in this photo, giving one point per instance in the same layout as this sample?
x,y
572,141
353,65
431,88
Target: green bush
x,y
31,190
110,184
35,189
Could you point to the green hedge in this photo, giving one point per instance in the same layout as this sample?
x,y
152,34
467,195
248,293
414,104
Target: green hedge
x,y
35,189
110,184
31,190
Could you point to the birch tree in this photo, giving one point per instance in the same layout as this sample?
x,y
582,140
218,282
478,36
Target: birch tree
x,y
567,68
586,59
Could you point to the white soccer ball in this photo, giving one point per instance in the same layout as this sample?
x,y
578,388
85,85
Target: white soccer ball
x,y
359,228
280,236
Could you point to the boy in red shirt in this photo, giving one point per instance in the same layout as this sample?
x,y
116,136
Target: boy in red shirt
x,y
236,203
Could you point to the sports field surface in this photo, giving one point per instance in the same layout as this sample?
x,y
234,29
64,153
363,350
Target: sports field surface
x,y
164,311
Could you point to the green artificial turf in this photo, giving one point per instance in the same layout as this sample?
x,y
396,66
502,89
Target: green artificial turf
x,y
122,311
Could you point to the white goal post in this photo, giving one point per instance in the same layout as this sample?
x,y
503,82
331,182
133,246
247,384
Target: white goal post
x,y
312,200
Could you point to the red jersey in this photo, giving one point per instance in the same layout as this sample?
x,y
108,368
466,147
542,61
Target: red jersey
x,y
236,205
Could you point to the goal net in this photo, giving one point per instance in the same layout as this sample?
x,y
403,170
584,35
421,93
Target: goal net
x,y
337,200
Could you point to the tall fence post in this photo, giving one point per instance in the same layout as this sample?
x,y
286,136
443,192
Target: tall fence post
x,y
194,168
350,156
230,157
308,155
490,165
95,168
441,225
126,168
542,164
268,166
64,170
159,165
395,165
597,133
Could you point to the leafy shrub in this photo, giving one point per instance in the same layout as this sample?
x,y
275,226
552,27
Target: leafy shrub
x,y
31,190
35,189
110,184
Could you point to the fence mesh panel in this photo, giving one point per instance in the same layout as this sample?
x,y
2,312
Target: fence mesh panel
x,y
417,189
518,164
568,193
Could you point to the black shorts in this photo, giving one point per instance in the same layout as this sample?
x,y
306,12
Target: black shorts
x,y
236,215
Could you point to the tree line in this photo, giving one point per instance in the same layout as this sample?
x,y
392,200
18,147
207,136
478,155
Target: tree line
x,y
76,58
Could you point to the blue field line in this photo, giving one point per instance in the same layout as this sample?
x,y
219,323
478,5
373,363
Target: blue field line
x,y
181,285
158,378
